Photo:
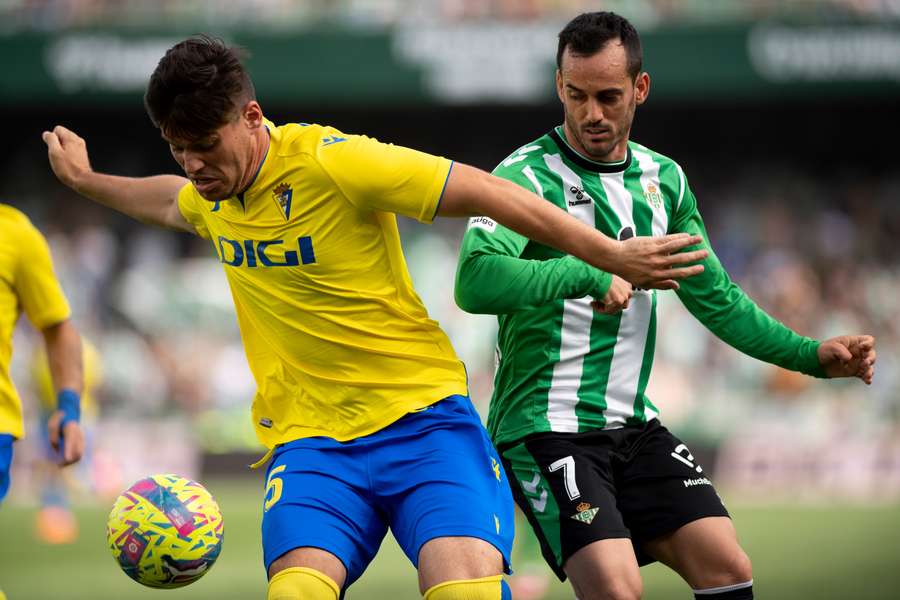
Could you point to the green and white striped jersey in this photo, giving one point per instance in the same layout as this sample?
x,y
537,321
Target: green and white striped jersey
x,y
562,366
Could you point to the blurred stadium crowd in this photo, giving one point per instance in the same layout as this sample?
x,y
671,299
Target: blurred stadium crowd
x,y
287,14
815,246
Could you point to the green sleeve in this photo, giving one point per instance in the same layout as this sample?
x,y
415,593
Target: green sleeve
x,y
492,278
730,314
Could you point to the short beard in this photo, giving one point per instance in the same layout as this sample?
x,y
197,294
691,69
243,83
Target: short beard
x,y
583,148
607,148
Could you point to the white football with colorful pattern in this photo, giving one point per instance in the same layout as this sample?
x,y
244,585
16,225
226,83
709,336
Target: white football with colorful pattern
x,y
165,531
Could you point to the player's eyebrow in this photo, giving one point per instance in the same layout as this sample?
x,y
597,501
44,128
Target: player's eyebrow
x,y
207,140
603,92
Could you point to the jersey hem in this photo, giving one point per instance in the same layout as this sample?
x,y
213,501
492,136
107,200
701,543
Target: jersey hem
x,y
50,319
391,418
521,435
443,189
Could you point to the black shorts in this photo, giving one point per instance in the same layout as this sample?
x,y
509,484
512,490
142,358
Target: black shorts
x,y
634,482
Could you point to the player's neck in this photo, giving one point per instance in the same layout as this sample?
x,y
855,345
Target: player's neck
x,y
260,151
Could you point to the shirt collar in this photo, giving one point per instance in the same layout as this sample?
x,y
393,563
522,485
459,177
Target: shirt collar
x,y
584,163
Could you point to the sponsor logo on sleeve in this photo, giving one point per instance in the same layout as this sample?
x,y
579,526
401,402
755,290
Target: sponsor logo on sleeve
x,y
485,223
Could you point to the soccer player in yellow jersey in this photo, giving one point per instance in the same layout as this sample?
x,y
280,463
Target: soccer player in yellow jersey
x,y
28,284
360,395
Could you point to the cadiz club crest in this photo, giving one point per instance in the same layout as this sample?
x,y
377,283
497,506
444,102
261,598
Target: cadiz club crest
x,y
283,194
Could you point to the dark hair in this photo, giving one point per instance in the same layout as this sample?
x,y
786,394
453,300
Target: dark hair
x,y
197,87
588,33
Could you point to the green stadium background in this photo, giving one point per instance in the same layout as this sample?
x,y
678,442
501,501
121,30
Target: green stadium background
x,y
783,114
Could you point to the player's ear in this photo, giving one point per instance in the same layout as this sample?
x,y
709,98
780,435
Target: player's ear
x,y
559,86
641,87
252,114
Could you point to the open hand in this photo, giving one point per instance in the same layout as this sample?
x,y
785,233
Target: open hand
x,y
655,262
849,356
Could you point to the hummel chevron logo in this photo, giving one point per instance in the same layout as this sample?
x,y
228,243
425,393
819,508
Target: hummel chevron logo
x,y
540,503
519,155
332,140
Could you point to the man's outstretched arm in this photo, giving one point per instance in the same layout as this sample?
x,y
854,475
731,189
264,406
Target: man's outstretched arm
x,y
644,261
733,317
152,200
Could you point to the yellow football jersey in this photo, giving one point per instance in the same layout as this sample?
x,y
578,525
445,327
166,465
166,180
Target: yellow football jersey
x,y
338,341
27,282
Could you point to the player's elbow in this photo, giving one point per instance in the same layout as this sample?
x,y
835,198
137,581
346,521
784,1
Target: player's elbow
x,y
465,298
60,332
475,289
466,287
468,301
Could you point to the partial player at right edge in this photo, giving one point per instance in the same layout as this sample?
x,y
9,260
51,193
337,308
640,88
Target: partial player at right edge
x,y
604,485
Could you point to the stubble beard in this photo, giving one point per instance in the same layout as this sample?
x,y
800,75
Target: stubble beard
x,y
599,153
593,152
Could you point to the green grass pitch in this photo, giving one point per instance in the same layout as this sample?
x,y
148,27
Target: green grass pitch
x,y
815,553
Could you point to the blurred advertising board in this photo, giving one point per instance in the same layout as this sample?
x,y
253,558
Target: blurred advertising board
x,y
464,63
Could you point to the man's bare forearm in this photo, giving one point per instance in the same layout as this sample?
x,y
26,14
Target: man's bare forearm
x,y
472,192
64,356
644,262
152,200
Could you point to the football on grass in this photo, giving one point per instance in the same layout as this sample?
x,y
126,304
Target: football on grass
x,y
165,531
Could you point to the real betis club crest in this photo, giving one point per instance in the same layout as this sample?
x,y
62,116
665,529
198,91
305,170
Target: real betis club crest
x,y
653,196
585,513
283,194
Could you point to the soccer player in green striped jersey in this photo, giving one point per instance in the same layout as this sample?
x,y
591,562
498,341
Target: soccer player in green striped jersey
x,y
604,485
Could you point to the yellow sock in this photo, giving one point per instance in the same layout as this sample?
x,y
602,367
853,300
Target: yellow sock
x,y
486,588
300,583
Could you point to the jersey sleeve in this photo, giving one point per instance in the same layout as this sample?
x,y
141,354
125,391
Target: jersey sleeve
x,y
377,176
187,204
36,285
492,277
726,310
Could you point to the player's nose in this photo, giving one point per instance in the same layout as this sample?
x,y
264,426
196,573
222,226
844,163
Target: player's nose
x,y
192,164
594,111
